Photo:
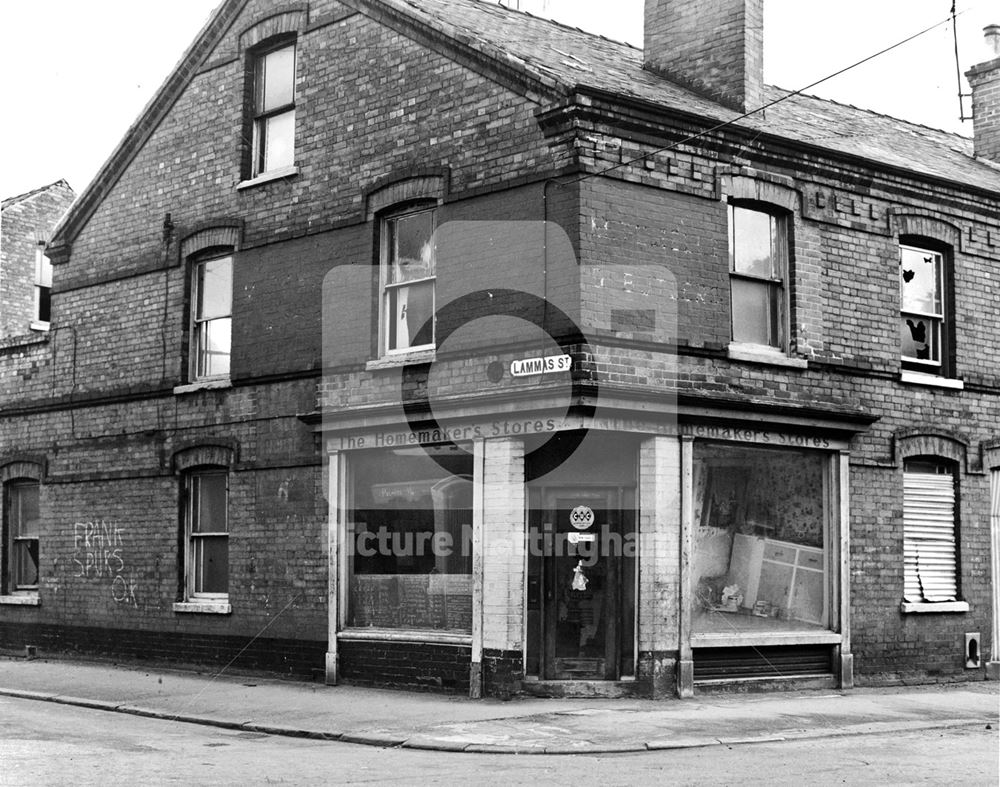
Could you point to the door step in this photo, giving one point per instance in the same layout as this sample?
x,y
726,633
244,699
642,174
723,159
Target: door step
x,y
609,689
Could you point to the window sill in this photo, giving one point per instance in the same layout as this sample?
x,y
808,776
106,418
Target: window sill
x,y
203,385
403,359
756,353
204,607
928,606
267,177
38,325
25,600
932,380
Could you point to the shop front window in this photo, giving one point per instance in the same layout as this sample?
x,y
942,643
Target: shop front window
x,y
410,539
761,559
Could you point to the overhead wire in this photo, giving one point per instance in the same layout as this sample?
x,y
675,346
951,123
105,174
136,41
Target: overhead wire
x,y
750,113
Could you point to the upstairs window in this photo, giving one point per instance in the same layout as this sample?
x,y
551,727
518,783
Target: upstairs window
x,y
274,110
930,554
758,261
21,525
206,533
923,309
408,280
212,298
43,288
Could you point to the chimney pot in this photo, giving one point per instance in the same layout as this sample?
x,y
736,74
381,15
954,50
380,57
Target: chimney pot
x,y
992,33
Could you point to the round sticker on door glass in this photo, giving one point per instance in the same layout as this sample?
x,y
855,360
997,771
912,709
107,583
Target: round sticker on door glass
x,y
581,517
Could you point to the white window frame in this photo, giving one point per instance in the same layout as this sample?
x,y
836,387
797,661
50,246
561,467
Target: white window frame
x,y
15,540
938,320
201,325
193,565
263,116
777,284
930,534
387,289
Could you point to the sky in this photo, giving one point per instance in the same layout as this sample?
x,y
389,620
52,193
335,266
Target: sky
x,y
77,74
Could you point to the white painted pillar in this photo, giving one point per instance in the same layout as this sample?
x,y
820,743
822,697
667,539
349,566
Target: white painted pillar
x,y
993,665
659,556
478,543
843,586
503,548
685,664
335,495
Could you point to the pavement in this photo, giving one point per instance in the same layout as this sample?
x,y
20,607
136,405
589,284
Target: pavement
x,y
440,722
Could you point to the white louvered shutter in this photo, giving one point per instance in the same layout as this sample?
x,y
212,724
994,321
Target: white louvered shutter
x,y
929,537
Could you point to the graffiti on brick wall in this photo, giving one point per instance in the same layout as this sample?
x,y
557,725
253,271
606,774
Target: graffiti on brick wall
x,y
98,555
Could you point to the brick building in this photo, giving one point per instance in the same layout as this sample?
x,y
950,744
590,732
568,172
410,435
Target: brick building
x,y
26,222
435,344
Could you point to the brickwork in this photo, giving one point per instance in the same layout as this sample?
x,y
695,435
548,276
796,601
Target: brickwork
x,y
296,657
410,665
727,66
26,225
503,671
985,82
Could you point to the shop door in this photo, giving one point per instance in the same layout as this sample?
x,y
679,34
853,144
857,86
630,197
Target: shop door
x,y
581,584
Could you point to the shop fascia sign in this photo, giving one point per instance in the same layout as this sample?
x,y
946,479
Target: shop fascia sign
x,y
527,367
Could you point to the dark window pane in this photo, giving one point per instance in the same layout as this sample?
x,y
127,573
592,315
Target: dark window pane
x,y
411,539
25,564
44,304
209,503
211,564
754,307
24,510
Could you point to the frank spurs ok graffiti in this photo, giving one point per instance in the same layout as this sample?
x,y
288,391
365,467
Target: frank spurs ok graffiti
x,y
98,555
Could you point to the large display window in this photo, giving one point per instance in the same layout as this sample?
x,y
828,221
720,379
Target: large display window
x,y
762,539
409,539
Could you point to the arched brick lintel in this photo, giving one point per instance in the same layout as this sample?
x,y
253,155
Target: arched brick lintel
x,y
204,455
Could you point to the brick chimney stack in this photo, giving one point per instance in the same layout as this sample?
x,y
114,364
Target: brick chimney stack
x,y
985,81
713,47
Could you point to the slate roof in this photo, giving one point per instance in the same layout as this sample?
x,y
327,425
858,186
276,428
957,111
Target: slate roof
x,y
28,194
559,58
570,57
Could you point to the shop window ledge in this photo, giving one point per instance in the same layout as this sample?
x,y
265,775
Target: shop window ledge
x,y
399,635
731,640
